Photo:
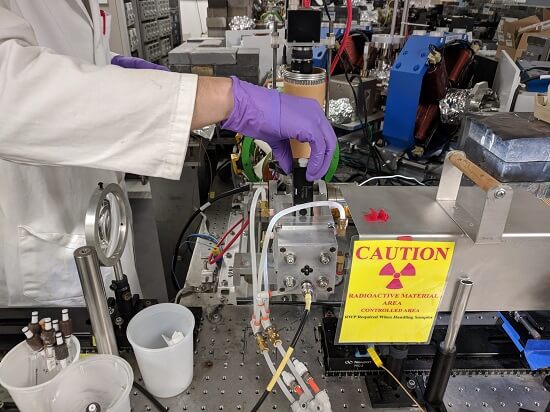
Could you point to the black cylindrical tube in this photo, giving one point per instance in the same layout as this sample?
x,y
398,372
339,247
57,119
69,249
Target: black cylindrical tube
x,y
396,362
303,189
439,376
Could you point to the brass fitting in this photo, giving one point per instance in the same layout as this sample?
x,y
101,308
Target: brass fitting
x,y
260,341
434,57
273,336
341,228
264,208
340,262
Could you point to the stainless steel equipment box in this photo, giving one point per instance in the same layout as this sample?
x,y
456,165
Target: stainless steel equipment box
x,y
502,237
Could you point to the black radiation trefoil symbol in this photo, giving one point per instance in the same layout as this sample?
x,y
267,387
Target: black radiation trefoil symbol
x,y
389,270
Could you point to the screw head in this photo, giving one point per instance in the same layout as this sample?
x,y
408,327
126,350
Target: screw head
x,y
322,282
500,193
411,384
290,258
324,258
289,282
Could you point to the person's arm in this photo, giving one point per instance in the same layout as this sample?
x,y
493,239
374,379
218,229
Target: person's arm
x,y
60,111
214,101
56,110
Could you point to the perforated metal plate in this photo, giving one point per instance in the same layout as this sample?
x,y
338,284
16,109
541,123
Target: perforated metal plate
x,y
230,375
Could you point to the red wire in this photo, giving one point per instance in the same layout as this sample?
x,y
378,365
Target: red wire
x,y
345,37
212,259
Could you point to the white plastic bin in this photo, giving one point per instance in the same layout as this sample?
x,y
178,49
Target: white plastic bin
x,y
166,370
16,377
104,379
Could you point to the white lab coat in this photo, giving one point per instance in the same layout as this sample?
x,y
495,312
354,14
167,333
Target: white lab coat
x,y
69,120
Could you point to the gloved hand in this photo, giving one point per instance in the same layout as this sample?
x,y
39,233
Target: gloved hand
x,y
275,118
136,63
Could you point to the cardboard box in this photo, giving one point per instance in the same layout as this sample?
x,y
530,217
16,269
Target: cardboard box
x,y
510,30
500,31
510,50
522,45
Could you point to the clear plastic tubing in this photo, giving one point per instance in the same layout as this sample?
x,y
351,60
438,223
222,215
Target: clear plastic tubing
x,y
298,377
279,381
252,236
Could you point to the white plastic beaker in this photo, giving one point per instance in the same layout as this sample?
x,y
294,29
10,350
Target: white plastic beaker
x,y
103,379
16,376
166,370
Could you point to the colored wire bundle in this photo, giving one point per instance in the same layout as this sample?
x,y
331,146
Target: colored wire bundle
x,y
197,212
213,258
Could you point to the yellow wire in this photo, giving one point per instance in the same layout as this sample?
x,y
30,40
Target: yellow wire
x,y
279,370
402,387
307,298
288,353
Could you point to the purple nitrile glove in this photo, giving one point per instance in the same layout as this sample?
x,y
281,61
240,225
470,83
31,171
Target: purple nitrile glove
x,y
273,117
136,63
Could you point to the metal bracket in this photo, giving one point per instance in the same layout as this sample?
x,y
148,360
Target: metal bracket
x,y
498,198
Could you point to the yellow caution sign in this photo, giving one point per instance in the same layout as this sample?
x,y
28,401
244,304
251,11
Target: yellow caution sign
x,y
394,290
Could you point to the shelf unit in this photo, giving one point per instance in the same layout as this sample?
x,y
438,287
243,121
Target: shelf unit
x,y
145,28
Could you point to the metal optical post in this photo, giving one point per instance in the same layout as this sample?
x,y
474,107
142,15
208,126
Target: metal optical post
x,y
446,351
91,279
274,46
330,46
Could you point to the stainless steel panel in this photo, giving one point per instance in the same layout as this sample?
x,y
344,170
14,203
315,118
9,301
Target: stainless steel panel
x,y
306,244
512,275
413,211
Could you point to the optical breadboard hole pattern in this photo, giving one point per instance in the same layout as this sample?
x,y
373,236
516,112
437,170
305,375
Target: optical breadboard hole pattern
x,y
230,375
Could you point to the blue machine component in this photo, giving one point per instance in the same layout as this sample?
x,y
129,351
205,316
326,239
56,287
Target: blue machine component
x,y
536,351
404,88
320,52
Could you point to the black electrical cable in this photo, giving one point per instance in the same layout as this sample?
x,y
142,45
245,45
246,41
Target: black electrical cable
x,y
372,148
260,401
325,5
149,396
353,177
300,329
197,212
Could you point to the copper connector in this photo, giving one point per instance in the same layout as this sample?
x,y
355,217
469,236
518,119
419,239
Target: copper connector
x,y
341,228
264,208
340,263
260,341
273,336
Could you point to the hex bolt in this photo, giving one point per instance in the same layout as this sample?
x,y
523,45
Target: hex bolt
x,y
119,321
322,282
290,258
289,282
324,258
500,193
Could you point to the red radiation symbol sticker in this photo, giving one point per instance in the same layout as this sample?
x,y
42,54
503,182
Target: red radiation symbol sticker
x,y
389,270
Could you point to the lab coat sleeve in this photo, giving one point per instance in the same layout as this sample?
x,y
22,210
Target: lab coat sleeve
x,y
60,111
